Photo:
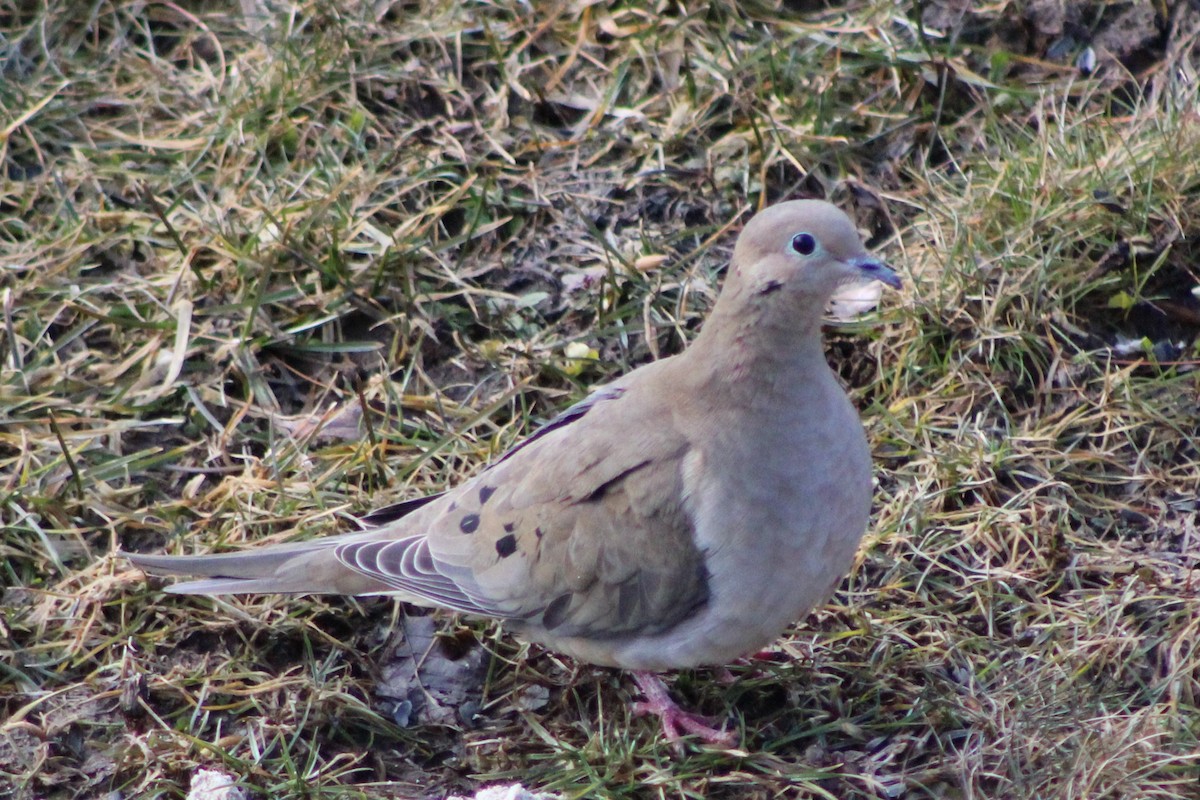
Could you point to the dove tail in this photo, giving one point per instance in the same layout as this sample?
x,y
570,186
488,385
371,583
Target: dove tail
x,y
303,568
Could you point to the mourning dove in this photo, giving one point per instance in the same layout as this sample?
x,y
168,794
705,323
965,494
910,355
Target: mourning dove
x,y
682,515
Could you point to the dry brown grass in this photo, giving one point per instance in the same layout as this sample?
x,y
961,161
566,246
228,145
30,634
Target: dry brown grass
x,y
224,237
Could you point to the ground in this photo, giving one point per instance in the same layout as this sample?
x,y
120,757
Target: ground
x,y
265,265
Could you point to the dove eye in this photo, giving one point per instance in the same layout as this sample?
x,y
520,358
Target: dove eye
x,y
804,244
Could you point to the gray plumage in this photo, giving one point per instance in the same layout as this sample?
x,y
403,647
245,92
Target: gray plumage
x,y
684,514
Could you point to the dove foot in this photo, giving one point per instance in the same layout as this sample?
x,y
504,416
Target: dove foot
x,y
677,723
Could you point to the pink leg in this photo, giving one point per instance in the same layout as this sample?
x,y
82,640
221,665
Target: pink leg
x,y
723,676
675,721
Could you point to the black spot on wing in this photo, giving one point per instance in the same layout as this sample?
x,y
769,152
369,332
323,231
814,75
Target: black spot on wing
x,y
602,489
485,493
382,516
556,612
572,414
506,545
469,523
509,527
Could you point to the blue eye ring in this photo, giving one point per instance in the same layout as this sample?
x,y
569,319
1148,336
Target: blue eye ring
x,y
804,244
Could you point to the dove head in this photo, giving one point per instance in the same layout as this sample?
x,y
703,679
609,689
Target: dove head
x,y
792,257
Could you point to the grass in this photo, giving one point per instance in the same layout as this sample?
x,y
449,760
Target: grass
x,y
260,272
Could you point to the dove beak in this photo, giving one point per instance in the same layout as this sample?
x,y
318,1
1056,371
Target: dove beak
x,y
872,269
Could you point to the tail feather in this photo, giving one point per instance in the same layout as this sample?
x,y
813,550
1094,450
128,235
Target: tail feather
x,y
301,568
249,564
217,586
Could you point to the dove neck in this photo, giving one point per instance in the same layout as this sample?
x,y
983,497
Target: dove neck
x,y
745,343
